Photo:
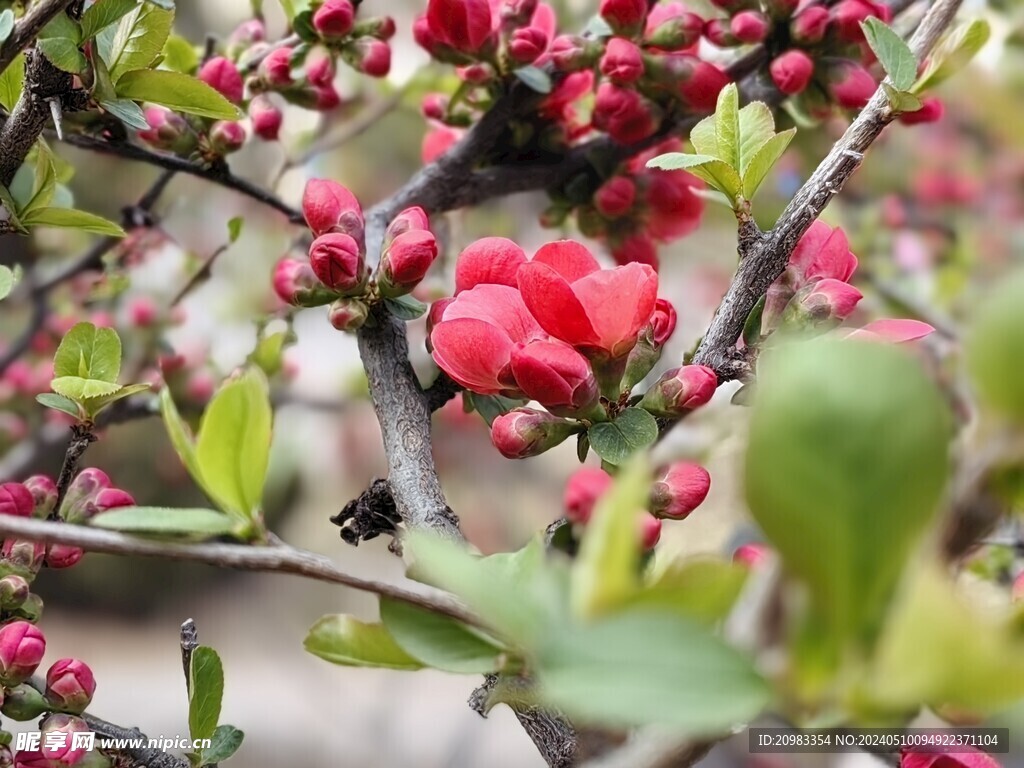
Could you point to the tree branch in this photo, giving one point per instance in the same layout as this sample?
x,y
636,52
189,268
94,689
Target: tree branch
x,y
764,256
28,29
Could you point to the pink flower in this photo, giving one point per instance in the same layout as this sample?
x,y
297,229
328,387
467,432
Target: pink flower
x,y
590,308
62,556
372,56
615,197
848,15
524,432
810,25
624,16
63,752
276,67
750,555
671,27
293,280
70,685
44,494
490,260
319,67
680,390
168,130
750,27
555,375
682,489
330,207
851,85
624,114
585,487
266,118
792,71
894,331
227,136
477,333
409,220
22,646
465,25
406,261
823,252
438,140
337,261
622,61
223,76
663,322
674,208
931,111
650,531
16,500
827,300
965,757
334,19
527,44
639,248
701,89
348,314
1017,592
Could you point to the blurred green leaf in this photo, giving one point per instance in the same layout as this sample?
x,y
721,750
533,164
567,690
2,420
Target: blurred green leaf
x,y
205,692
293,8
11,81
6,24
225,742
704,589
269,352
347,641
8,279
235,225
535,78
846,465
138,39
895,55
994,348
616,441
89,352
128,112
180,55
98,16
166,521
177,91
182,440
953,53
69,218
438,641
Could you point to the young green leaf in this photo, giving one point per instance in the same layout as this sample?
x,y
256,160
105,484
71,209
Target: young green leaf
x,y
536,78
727,125
195,524
61,403
94,405
616,441
177,91
349,642
89,352
953,53
128,112
63,53
901,101
438,641
44,182
678,161
8,279
763,160
205,692
138,39
406,307
99,16
180,55
11,81
69,218
704,589
892,51
757,127
225,742
78,388
235,225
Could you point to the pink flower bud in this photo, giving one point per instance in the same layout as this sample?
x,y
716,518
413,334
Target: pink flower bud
x,y
720,33
70,685
585,487
626,17
62,556
113,498
810,25
266,118
227,136
622,61
615,197
348,314
22,646
276,67
319,68
409,220
337,261
80,500
248,32
848,15
23,557
931,111
555,375
792,71
334,19
1017,593
143,312
479,73
750,27
63,752
16,500
14,591
525,432
381,27
663,322
703,86
527,44
406,261
293,280
639,248
372,57
624,114
676,33
223,76
851,85
683,488
825,302
168,130
750,555
330,207
650,531
681,390
464,25
571,53
434,106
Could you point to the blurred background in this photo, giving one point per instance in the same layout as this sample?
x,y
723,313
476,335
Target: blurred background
x,y
935,214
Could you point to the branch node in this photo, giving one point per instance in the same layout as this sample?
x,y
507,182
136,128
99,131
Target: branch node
x,y
369,515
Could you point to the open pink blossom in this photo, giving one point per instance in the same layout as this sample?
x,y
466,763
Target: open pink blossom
x,y
823,252
490,260
892,330
555,375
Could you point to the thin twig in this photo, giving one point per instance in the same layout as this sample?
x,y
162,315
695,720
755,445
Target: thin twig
x,y
82,436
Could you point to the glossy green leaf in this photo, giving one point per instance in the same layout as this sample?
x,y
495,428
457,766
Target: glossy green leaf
x,y
60,403
166,521
63,53
616,441
953,53
180,55
347,641
995,346
644,667
704,138
11,81
763,160
535,78
89,352
139,37
128,112
892,51
727,125
438,641
846,464
205,692
78,388
69,218
101,15
176,91
677,161
233,445
226,741
757,127
607,569
181,439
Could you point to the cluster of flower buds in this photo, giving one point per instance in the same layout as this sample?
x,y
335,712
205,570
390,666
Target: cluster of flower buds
x,y
254,73
556,329
678,490
336,272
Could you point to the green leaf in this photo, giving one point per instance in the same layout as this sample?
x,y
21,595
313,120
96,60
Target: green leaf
x,y
752,325
166,521
406,307
727,125
953,53
438,641
180,55
205,692
901,101
704,138
8,279
607,570
347,641
293,8
615,441
63,53
642,667
994,346
62,26
535,78
235,225
269,352
177,91
78,388
128,112
94,405
678,161
704,589
69,218
101,15
44,181
722,177
763,160
60,403
892,51
139,38
491,407
11,205
233,446
167,5
182,440
757,127
846,464
11,81
225,742
6,24
89,352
